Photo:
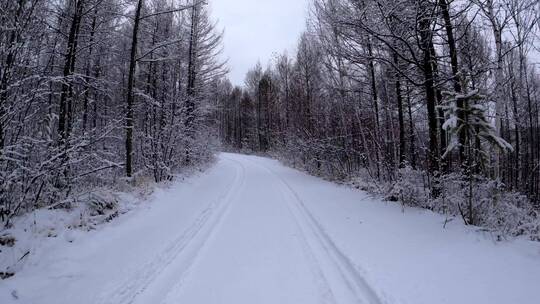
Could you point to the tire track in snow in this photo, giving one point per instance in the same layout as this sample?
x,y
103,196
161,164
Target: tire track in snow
x,y
339,273
186,247
326,293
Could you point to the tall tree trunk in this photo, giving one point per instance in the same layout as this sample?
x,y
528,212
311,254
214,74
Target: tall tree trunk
x,y
6,75
192,69
97,75
411,130
66,95
424,27
401,119
515,169
192,75
7,67
499,76
130,88
375,97
444,165
88,68
259,117
456,78
65,117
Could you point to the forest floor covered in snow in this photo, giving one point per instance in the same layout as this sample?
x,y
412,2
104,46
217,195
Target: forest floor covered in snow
x,y
250,230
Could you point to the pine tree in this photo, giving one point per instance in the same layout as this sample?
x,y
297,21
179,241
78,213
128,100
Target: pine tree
x,y
466,123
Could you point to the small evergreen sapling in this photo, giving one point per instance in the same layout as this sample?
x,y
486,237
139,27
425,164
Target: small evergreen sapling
x,y
476,125
472,123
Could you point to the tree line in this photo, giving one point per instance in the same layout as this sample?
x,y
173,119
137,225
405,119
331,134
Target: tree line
x,y
431,102
93,92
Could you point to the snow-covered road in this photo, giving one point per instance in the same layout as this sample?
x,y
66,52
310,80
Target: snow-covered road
x,y
252,231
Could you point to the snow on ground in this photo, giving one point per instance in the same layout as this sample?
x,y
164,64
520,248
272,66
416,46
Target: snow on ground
x,y
250,230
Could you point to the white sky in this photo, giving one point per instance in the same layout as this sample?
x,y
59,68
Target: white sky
x,y
255,30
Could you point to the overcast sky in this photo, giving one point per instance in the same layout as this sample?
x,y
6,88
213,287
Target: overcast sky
x,y
257,29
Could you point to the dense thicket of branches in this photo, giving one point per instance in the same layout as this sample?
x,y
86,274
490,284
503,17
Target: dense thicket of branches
x,y
435,101
96,91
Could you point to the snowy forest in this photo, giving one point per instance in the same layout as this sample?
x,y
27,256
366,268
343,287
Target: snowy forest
x,y
98,92
431,103
269,151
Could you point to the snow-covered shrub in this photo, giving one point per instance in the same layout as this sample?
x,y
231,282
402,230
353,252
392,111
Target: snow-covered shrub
x,y
7,240
362,181
99,204
494,207
454,193
409,188
510,213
